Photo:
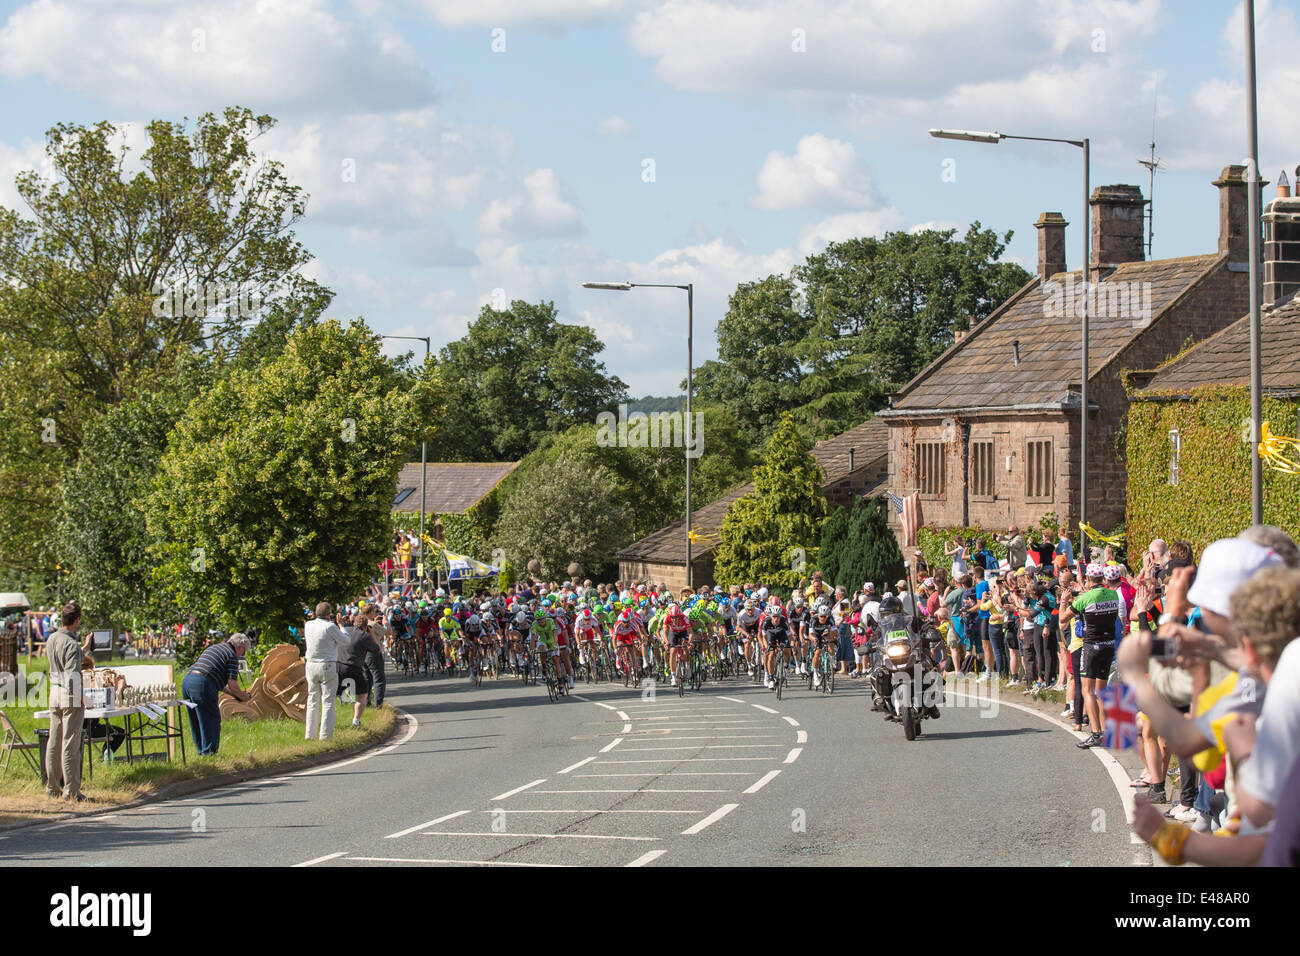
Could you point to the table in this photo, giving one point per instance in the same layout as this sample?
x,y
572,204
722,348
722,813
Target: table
x,y
155,716
100,713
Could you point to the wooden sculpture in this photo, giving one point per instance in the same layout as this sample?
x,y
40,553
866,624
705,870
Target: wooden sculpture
x,y
280,689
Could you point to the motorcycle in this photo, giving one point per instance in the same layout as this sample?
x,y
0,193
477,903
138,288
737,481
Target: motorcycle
x,y
913,679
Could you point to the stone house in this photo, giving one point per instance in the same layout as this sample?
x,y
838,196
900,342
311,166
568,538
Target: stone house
x,y
988,433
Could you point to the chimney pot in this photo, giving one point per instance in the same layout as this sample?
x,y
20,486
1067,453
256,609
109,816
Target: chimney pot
x,y
1117,229
851,468
1233,201
1283,186
1051,244
1281,224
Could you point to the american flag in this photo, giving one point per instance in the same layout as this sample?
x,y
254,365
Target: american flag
x,y
1121,716
909,510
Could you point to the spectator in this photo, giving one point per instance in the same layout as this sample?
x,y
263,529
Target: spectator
x,y
324,642
63,752
374,624
352,669
1064,547
1016,550
957,551
216,669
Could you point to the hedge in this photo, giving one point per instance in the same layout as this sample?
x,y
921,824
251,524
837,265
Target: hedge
x,y
1212,497
931,541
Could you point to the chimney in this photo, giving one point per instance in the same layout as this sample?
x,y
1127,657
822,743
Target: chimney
x,y
1281,221
851,468
1051,244
1116,236
1232,213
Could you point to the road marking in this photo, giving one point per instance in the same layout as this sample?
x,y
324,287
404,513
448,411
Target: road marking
x,y
627,728
320,859
670,773
391,859
688,760
511,793
802,738
631,750
734,700
591,811
648,858
763,781
623,716
596,702
412,726
611,745
793,755
791,721
642,790
1118,777
576,765
713,817
541,836
409,830
719,737
766,710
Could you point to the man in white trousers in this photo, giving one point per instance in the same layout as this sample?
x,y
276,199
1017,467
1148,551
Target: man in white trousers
x,y
325,640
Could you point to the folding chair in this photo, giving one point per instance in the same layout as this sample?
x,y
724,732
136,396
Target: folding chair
x,y
13,742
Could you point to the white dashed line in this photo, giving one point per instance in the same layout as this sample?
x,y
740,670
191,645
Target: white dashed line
x,y
627,728
642,790
511,793
541,836
596,702
576,765
734,700
766,710
648,858
793,755
391,859
791,721
802,738
763,781
410,830
320,859
712,818
623,716
611,745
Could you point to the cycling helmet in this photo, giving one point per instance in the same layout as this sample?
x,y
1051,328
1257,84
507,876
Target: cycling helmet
x,y
749,604
441,592
797,600
1113,572
446,612
540,614
891,605
485,608
823,610
625,617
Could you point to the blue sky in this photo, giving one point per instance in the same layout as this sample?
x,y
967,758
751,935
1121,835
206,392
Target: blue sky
x,y
772,127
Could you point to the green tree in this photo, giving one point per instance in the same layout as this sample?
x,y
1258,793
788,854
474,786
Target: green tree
x,y
771,534
517,375
830,555
121,268
572,512
867,549
276,487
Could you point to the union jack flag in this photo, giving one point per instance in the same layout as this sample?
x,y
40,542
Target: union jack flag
x,y
909,511
1121,716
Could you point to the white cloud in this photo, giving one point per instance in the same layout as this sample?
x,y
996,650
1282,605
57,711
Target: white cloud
x,y
496,13
542,209
849,225
823,173
613,126
285,55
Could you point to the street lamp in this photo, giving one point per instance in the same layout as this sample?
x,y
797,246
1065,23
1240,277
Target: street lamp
x,y
690,308
424,452
1252,253
982,137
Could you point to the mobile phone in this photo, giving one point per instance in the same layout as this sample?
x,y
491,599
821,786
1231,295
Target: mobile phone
x,y
1164,648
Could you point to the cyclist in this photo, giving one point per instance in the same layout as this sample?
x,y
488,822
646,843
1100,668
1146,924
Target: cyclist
x,y
774,635
675,632
627,631
520,633
545,639
747,622
587,633
800,617
821,631
451,633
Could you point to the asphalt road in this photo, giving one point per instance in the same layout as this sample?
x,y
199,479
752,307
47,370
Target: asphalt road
x,y
499,775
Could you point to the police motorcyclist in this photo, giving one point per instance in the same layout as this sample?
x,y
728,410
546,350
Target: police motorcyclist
x,y
893,622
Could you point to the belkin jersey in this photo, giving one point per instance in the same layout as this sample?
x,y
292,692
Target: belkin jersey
x,y
1100,608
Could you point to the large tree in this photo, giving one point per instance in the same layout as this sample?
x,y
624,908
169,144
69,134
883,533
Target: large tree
x,y
772,533
857,546
851,324
276,488
517,375
120,267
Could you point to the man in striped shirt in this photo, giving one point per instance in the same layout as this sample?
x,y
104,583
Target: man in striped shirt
x,y
217,669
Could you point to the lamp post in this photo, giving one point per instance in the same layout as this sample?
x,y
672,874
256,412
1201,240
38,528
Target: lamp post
x,y
1252,252
689,288
424,451
982,137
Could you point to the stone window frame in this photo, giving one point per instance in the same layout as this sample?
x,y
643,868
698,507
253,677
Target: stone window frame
x,y
939,456
1050,441
992,474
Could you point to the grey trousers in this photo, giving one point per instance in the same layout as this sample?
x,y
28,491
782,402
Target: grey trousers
x,y
63,755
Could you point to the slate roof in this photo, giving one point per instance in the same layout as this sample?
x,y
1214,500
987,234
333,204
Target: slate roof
x,y
1224,358
979,371
869,441
451,487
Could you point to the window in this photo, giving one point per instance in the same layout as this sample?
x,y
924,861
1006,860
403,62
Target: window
x,y
981,469
1038,468
930,457
1175,446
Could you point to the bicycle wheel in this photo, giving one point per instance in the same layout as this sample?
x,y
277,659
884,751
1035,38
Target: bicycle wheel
x,y
779,677
828,681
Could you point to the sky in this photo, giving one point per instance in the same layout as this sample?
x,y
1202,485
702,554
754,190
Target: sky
x,y
459,153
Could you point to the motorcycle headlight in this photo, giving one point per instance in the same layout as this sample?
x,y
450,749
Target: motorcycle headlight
x,y
898,651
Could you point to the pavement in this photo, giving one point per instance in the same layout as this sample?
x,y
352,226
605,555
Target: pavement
x,y
610,776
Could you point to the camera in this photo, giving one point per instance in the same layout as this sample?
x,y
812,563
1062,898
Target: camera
x,y
1164,648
